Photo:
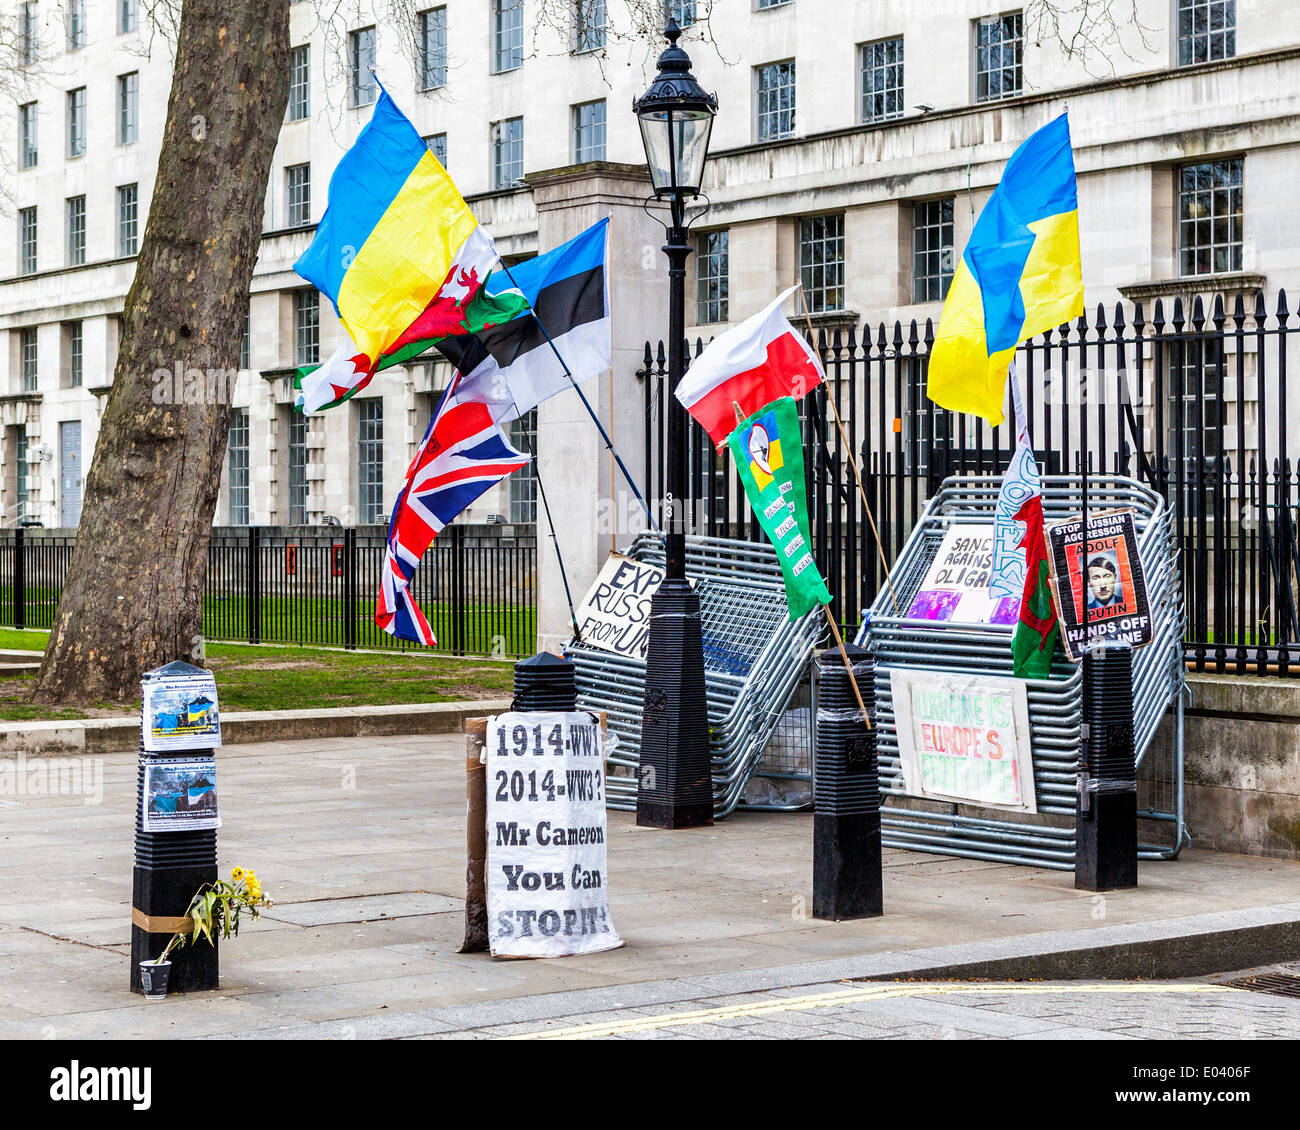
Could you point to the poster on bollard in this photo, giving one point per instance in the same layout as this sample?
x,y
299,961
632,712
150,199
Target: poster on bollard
x,y
180,795
180,713
547,890
1108,585
955,589
964,738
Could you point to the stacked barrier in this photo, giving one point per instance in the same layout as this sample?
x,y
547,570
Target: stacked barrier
x,y
1055,704
754,658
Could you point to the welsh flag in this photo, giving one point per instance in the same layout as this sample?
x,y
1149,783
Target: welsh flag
x,y
1020,560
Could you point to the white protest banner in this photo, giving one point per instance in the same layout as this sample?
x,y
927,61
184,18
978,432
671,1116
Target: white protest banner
x,y
955,588
180,712
615,614
546,875
964,738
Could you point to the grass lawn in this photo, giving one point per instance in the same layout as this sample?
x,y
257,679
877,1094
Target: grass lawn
x,y
269,677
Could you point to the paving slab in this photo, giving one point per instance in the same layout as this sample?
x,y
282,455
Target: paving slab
x,y
361,842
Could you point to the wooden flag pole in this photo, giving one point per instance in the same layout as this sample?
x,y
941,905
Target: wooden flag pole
x,y
844,655
853,462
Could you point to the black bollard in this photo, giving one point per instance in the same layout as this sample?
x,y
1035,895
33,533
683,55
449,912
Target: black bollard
x,y
545,682
169,868
1106,828
847,877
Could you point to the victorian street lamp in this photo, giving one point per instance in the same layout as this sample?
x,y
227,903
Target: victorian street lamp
x,y
675,787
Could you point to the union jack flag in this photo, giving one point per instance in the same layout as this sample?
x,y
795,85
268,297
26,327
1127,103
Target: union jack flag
x,y
463,453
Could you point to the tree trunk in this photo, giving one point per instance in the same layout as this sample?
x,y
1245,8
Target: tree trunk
x,y
133,598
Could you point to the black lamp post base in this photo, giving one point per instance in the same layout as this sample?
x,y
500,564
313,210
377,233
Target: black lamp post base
x,y
675,778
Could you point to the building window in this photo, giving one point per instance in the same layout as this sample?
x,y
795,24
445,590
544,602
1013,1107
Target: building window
x,y
300,83
128,16
76,16
775,100
370,461
299,180
77,122
932,258
433,48
361,57
306,327
588,25
28,33
1207,30
27,147
711,267
28,357
523,483
589,132
998,48
437,145
507,34
128,215
76,230
20,472
1209,218
246,341
128,108
507,152
881,68
237,461
297,468
683,11
772,4
27,240
74,351
821,262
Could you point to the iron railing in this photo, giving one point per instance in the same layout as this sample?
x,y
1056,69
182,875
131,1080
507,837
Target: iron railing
x,y
317,585
1189,396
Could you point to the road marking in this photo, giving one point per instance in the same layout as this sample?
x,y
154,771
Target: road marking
x,y
840,997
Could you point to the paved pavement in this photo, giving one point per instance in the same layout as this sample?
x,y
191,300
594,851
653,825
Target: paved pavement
x,y
361,841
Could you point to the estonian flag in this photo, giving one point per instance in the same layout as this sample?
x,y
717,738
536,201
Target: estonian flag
x,y
512,368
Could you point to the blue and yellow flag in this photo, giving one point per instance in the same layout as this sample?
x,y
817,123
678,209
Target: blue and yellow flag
x,y
1019,276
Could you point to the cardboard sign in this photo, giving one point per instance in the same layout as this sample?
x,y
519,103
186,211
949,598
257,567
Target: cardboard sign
x,y
181,713
1108,586
180,795
956,585
615,614
964,738
547,894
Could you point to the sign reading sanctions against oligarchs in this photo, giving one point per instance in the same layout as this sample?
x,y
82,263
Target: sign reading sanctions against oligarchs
x,y
546,881
965,738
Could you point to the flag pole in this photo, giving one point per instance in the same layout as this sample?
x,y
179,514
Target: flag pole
x,y
853,462
830,619
609,443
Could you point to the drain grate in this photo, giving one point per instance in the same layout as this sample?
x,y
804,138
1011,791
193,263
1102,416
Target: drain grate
x,y
1279,984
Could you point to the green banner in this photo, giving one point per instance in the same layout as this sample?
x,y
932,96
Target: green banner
x,y
768,450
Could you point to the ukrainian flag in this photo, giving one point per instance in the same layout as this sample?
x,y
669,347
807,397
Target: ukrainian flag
x,y
394,226
1019,276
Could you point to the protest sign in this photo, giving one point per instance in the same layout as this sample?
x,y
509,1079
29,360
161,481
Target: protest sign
x,y
1108,585
180,795
546,875
964,738
615,614
955,588
180,713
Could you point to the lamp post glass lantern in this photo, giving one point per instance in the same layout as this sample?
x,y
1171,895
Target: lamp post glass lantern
x,y
675,786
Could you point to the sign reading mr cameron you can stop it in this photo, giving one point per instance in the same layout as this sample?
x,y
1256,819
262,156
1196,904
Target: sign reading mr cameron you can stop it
x,y
964,738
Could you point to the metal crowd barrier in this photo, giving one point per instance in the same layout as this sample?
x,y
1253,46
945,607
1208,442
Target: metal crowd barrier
x,y
1055,703
754,659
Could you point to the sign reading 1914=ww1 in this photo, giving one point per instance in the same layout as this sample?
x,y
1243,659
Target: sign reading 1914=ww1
x,y
1106,583
547,892
180,712
964,738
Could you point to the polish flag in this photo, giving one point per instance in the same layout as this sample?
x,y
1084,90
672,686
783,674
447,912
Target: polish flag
x,y
752,364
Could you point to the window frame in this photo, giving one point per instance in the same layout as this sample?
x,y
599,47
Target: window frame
x,y
296,482
499,182
924,288
360,81
589,37
507,55
761,115
299,107
1018,50
817,294
297,195
123,222
306,326
863,71
28,240
370,461
75,24
423,34
75,233
28,136
76,117
1234,218
238,470
75,340
29,358
125,7
1185,54
712,287
128,96
596,150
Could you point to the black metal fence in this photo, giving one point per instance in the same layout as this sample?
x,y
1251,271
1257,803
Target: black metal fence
x,y
1188,396
317,585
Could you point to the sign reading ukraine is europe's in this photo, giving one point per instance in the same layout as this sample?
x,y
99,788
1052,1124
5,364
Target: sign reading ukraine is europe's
x,y
964,738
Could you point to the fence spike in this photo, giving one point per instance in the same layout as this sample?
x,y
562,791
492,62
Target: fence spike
x,y
1178,321
853,339
1282,311
1261,312
1119,316
1239,311
1158,319
1198,314
1217,315
914,336
928,337
898,335
1101,319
